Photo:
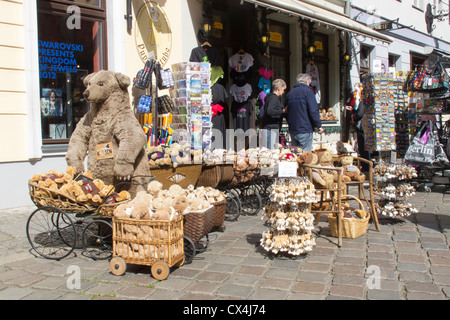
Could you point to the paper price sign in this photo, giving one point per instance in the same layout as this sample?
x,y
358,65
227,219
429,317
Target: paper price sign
x,y
287,169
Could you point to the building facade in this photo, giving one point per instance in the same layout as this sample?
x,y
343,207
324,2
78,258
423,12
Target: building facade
x,y
405,22
48,46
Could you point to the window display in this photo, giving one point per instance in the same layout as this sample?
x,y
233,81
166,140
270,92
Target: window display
x,y
66,56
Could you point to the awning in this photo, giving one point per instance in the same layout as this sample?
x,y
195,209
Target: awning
x,y
318,14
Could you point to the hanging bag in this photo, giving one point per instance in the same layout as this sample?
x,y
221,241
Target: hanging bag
x,y
144,77
165,104
165,79
409,78
420,153
427,153
441,159
144,104
445,78
418,80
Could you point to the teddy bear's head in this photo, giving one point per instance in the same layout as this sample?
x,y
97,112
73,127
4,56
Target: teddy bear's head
x,y
154,187
346,160
305,157
326,157
315,159
180,204
140,211
162,213
102,84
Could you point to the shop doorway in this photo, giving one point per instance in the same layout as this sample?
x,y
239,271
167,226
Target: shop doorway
x,y
322,61
279,51
233,32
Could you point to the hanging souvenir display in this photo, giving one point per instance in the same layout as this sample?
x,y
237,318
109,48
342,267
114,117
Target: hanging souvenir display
x,y
392,186
401,114
289,216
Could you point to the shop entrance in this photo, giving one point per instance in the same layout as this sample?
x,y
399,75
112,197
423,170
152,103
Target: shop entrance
x,y
321,60
232,33
279,50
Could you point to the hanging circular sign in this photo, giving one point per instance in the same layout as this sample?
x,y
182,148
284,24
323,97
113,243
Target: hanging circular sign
x,y
153,34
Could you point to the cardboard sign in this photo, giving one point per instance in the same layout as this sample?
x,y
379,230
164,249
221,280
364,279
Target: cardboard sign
x,y
105,151
287,169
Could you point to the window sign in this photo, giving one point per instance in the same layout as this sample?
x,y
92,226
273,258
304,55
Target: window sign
x,y
276,37
66,56
57,57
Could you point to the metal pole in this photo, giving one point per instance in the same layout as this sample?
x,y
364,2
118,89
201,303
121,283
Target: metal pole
x,y
156,103
129,16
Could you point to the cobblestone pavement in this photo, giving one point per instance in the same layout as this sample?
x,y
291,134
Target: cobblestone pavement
x,y
408,259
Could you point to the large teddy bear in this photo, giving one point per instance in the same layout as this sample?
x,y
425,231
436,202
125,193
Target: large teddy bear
x,y
110,135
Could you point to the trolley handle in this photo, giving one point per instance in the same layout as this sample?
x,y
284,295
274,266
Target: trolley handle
x,y
130,182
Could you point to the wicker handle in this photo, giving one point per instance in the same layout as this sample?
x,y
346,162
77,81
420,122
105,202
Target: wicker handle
x,y
359,201
49,191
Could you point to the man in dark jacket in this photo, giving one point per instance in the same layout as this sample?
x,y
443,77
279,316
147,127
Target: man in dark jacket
x,y
303,113
273,112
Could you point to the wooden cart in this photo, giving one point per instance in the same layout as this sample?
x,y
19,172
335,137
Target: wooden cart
x,y
159,244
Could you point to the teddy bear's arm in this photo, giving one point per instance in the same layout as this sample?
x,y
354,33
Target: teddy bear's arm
x,y
131,140
78,145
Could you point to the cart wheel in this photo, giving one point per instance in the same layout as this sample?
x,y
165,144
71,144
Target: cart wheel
x,y
251,201
189,250
97,239
233,209
51,233
118,266
160,270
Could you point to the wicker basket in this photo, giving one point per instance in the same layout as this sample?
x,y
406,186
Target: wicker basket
x,y
210,176
220,208
144,242
198,224
107,210
351,227
227,174
45,197
183,175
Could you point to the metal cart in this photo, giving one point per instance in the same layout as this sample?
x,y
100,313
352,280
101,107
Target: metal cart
x,y
60,225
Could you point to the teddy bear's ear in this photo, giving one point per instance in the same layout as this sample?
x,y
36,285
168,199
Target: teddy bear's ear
x,y
87,79
123,80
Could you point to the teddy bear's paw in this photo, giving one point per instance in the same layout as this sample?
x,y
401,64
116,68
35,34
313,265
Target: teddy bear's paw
x,y
123,172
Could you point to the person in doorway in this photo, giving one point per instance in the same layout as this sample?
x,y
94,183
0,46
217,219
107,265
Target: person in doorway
x,y
358,130
273,113
303,113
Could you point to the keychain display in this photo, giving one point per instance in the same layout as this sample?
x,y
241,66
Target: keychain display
x,y
392,186
289,217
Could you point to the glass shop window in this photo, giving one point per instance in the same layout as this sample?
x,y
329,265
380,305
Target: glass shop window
x,y
71,46
365,59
